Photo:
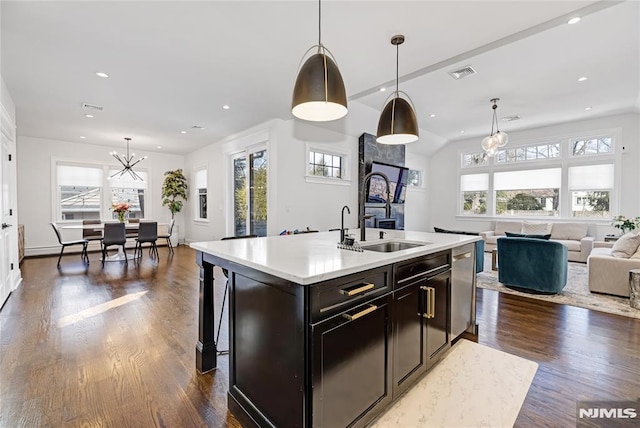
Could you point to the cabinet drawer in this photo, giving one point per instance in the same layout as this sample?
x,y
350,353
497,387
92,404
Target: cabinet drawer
x,y
429,265
331,297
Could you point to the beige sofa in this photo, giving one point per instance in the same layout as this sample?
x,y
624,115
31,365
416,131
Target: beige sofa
x,y
608,274
571,235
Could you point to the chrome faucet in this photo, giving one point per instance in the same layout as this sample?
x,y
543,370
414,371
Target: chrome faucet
x,y
342,234
363,197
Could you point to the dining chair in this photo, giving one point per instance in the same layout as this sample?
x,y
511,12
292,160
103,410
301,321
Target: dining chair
x,y
114,234
226,290
167,235
147,233
92,234
65,244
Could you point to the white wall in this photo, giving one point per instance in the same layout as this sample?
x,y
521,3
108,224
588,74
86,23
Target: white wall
x,y
34,160
417,210
445,166
293,202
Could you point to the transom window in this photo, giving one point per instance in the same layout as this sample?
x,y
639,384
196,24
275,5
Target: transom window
x,y
592,146
528,153
414,178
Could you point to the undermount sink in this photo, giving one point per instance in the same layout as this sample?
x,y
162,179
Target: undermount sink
x,y
391,246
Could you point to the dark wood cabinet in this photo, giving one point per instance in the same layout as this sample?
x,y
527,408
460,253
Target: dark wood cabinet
x,y
351,358
409,335
421,316
437,292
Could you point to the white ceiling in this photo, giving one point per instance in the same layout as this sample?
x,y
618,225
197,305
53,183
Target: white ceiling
x,y
173,65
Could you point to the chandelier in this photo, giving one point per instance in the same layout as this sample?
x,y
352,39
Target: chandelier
x,y
127,165
494,141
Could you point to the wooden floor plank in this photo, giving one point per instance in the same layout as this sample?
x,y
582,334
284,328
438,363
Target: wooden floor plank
x,y
116,347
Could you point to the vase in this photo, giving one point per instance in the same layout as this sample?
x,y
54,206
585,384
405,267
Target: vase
x,y
121,216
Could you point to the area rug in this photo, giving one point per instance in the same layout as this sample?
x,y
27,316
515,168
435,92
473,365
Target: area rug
x,y
473,386
575,293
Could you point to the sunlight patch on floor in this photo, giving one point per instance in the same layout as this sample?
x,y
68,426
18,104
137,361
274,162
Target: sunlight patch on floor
x,y
98,309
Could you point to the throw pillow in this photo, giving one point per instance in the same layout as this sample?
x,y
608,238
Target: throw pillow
x,y
522,235
458,232
636,255
626,245
507,226
529,228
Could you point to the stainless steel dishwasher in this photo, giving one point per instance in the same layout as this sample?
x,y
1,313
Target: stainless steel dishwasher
x,y
463,290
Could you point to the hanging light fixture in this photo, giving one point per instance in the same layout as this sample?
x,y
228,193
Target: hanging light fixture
x,y
397,123
319,93
493,142
127,166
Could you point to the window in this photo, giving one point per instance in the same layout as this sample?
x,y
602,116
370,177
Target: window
x,y
79,192
573,177
414,178
528,193
325,165
200,181
126,189
528,153
590,187
250,193
592,146
474,159
474,189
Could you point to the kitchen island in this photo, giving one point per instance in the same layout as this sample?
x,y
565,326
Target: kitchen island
x,y
322,336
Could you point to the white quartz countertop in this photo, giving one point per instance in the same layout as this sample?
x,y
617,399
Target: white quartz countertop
x,y
313,257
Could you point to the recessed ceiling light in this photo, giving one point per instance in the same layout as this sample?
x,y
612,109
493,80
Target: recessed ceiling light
x,y
382,89
226,107
432,115
82,137
183,132
159,147
462,132
573,20
101,74
88,115
588,108
582,79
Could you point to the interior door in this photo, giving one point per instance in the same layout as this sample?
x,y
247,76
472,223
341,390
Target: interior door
x,y
6,249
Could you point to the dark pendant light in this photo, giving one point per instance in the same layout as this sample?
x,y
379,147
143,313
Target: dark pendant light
x,y
319,93
398,123
494,141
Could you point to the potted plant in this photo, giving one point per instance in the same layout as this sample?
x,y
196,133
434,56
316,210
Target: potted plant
x,y
174,192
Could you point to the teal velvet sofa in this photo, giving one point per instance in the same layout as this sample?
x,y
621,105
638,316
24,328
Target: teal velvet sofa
x,y
530,264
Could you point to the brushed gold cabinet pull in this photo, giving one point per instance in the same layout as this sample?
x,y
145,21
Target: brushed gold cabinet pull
x,y
432,301
362,313
361,289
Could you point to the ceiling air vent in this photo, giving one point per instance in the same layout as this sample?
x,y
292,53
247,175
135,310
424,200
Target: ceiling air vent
x,y
511,118
465,71
201,128
92,107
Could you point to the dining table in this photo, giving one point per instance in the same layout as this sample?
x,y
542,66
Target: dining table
x,y
131,229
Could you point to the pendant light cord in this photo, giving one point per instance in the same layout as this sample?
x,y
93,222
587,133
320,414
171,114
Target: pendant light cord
x,y
397,65
319,22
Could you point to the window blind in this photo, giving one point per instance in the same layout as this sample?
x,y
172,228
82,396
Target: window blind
x,y
591,177
529,179
71,175
474,182
201,179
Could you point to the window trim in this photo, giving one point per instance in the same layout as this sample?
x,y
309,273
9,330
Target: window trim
x,y
345,168
105,204
195,196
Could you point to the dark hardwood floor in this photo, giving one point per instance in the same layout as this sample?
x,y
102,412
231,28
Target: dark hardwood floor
x,y
116,348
